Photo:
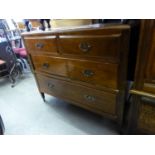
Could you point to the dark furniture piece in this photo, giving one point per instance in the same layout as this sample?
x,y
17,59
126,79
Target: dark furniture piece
x,y
142,110
12,67
3,68
6,54
86,66
7,61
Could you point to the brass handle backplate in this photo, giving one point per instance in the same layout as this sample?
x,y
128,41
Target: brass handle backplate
x,y
89,98
88,73
45,65
84,46
39,45
50,86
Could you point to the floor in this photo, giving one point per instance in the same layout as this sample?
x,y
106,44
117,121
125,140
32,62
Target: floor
x,y
24,113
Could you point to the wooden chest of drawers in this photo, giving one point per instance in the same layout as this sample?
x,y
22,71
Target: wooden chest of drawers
x,y
85,66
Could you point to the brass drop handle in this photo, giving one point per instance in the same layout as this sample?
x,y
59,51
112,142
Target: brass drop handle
x,y
88,73
39,45
89,98
50,86
45,65
84,46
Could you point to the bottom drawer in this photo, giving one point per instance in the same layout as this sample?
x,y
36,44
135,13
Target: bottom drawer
x,y
84,96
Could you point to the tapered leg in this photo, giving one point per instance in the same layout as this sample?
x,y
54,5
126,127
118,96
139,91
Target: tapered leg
x,y
43,96
13,81
2,129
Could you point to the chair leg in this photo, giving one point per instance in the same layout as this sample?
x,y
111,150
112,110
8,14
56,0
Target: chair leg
x,y
12,80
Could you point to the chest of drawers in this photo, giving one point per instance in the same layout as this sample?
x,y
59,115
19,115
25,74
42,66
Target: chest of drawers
x,y
85,66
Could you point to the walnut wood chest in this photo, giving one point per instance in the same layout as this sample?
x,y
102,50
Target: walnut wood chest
x,y
85,66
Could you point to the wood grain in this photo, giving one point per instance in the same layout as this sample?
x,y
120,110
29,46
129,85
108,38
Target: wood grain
x,y
99,100
107,46
45,44
103,74
51,65
146,119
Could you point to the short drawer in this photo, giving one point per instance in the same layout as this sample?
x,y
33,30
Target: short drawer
x,y
106,46
84,96
96,73
45,44
52,65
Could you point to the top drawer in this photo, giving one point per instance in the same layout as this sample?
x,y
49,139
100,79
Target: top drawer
x,y
91,45
41,44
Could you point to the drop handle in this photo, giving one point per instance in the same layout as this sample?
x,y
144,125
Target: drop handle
x,y
88,73
45,65
89,98
84,46
50,86
39,45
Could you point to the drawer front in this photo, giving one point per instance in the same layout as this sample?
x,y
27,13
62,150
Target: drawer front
x,y
41,44
97,46
149,88
52,65
146,119
88,97
98,74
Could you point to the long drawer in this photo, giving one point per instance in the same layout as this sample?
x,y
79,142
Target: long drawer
x,y
84,96
51,65
107,46
96,73
45,44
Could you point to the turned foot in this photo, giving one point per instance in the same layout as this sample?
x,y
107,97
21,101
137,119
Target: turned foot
x,y
43,96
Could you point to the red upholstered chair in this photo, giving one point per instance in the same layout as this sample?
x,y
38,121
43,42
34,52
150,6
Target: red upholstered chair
x,y
20,52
